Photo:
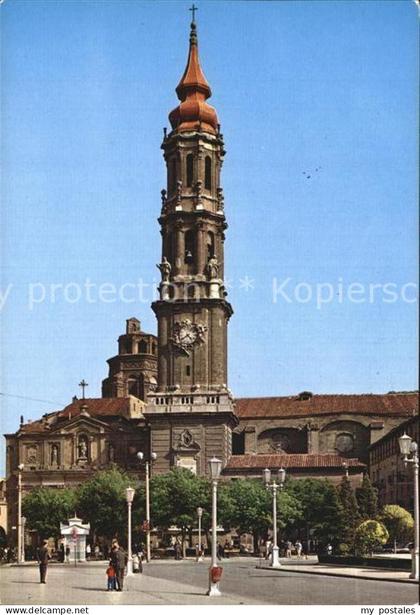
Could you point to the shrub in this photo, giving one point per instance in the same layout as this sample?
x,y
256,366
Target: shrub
x,y
343,548
369,536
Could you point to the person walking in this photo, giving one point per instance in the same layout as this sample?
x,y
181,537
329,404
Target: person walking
x,y
289,549
119,562
43,557
298,547
178,551
67,555
88,551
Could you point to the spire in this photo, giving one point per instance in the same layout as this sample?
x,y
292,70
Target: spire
x,y
193,79
193,90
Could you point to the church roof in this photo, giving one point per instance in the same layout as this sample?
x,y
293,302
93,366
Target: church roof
x,y
89,407
101,406
259,462
390,404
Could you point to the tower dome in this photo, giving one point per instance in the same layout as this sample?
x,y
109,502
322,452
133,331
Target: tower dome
x,y
193,113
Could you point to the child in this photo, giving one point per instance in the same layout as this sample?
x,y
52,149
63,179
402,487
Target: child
x,y
110,572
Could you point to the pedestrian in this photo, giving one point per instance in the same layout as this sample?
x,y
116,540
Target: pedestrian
x,y
88,551
67,554
226,549
329,549
289,549
298,547
96,550
111,575
267,548
220,552
43,557
136,563
119,562
178,550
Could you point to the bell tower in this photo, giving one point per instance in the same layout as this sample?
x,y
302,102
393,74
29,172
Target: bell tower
x,y
192,402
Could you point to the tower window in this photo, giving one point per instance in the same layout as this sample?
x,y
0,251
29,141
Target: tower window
x,y
207,173
143,347
188,370
190,170
210,245
189,246
172,175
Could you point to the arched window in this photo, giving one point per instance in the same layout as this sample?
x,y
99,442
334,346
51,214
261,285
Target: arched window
x,y
172,175
207,173
189,246
210,245
169,247
143,347
190,170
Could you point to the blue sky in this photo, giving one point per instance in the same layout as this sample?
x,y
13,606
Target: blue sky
x,y
298,86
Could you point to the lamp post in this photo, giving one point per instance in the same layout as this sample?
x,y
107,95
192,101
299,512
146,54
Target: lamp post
x,y
23,521
140,457
215,466
409,447
129,495
200,553
272,485
19,515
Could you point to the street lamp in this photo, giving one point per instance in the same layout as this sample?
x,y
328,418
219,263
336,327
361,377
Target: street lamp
x,y
409,447
129,496
140,457
200,553
215,467
19,519
272,485
23,520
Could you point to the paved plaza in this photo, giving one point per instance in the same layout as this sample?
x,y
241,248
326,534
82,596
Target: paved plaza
x,y
185,582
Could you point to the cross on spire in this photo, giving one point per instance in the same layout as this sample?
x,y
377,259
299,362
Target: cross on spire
x,y
193,9
83,384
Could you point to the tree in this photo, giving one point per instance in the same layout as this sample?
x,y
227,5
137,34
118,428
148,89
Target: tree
x,y
367,499
175,497
250,508
321,510
369,536
351,516
102,502
45,508
398,522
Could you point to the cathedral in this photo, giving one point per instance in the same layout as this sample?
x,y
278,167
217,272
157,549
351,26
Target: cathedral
x,y
168,394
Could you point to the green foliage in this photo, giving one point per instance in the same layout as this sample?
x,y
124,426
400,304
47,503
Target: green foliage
x,y
45,508
398,522
367,499
343,548
369,536
351,516
102,502
250,507
175,497
321,509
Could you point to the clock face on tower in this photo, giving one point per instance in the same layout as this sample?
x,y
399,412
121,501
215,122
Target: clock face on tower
x,y
187,333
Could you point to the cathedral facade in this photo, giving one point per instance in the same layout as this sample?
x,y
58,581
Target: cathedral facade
x,y
168,394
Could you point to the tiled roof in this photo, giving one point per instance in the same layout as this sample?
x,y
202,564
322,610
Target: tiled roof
x,y
111,406
96,407
394,404
259,462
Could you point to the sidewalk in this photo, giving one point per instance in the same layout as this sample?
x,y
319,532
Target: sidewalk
x,y
372,574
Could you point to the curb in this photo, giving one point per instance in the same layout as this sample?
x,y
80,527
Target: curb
x,y
338,574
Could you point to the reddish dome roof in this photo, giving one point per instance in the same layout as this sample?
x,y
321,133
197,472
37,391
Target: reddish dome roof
x,y
193,113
